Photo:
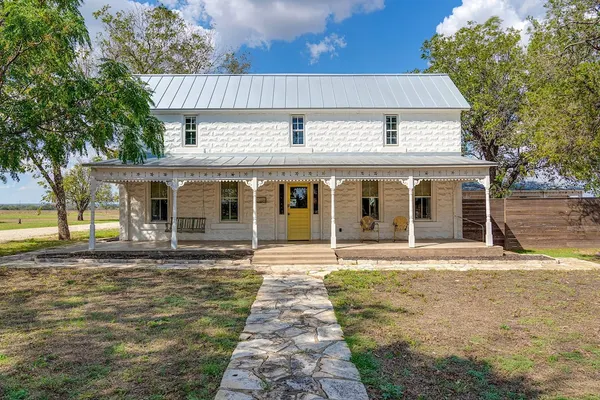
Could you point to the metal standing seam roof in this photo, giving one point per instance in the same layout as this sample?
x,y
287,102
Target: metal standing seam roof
x,y
257,92
309,160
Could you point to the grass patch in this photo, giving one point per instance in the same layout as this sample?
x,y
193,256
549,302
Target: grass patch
x,y
47,242
472,335
9,219
153,335
591,254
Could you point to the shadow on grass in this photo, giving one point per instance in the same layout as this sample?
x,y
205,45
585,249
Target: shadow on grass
x,y
399,372
137,334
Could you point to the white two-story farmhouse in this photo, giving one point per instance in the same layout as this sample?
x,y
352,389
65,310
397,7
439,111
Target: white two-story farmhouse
x,y
299,158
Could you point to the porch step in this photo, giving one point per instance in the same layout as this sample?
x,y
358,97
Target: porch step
x,y
295,255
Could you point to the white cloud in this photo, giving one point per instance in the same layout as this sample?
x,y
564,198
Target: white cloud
x,y
513,13
330,44
258,22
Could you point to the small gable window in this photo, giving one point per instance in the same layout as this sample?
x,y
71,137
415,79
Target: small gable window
x,y
391,130
298,130
191,134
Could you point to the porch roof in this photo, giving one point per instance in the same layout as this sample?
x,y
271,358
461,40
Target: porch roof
x,y
299,160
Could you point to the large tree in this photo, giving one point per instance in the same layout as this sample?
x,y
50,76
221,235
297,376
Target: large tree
x,y
487,64
157,40
563,102
51,109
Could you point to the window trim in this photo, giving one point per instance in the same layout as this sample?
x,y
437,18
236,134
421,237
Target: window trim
x,y
380,196
183,125
303,116
149,203
385,130
433,204
239,199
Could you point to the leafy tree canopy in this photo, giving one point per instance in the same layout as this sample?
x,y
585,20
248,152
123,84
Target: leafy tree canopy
x,y
157,40
487,64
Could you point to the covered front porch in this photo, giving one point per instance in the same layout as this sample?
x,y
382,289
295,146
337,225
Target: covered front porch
x,y
275,193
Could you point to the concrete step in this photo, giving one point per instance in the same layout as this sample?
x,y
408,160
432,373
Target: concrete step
x,y
320,258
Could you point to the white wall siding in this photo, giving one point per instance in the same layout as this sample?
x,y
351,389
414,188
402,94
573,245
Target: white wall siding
x,y
324,132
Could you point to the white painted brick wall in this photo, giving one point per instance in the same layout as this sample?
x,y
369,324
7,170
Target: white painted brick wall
x,y
325,132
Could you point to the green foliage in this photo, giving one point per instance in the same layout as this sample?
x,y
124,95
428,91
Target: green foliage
x,y
563,109
487,64
157,40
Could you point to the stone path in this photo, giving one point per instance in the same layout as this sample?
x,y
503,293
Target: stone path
x,y
292,347
29,233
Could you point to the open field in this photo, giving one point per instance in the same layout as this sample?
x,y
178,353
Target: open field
x,y
46,242
472,335
591,254
119,334
29,218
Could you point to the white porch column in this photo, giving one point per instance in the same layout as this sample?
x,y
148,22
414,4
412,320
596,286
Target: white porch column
x,y
332,183
175,184
92,240
489,236
410,184
254,184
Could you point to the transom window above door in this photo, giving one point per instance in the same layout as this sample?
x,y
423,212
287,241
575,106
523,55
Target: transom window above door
x,y
298,130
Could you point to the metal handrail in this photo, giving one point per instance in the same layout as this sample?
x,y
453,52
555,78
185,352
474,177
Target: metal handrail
x,y
476,223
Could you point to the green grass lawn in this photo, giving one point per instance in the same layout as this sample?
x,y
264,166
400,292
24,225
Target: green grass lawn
x,y
22,246
591,254
472,335
47,218
119,334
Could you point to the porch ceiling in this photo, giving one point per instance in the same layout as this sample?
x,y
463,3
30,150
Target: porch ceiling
x,y
303,160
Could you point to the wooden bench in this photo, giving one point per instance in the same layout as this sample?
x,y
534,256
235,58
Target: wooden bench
x,y
188,224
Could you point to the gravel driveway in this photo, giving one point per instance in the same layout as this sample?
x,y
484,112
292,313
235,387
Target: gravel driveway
x,y
28,233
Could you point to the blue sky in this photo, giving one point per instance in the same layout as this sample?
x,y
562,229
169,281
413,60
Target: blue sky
x,y
317,36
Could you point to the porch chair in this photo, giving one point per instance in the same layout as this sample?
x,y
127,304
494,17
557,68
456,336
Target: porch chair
x,y
368,224
400,224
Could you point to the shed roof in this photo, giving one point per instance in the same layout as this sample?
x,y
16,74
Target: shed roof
x,y
296,91
306,160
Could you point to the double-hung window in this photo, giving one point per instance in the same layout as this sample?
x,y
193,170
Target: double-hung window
x,y
391,130
423,201
298,130
370,199
229,201
191,131
159,202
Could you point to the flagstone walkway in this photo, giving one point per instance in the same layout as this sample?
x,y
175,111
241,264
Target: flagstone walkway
x,y
292,347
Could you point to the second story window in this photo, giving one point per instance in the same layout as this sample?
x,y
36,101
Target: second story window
x,y
190,134
391,130
297,130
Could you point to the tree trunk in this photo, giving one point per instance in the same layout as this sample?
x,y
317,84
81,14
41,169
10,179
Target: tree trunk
x,y
61,204
80,215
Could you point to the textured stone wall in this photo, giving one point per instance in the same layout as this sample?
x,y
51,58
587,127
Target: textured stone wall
x,y
191,204
325,132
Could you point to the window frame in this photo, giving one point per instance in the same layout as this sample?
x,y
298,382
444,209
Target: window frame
x,y
379,197
385,130
431,203
150,198
239,204
185,130
303,130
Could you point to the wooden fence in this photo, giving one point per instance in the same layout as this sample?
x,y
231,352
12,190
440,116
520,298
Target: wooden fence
x,y
536,223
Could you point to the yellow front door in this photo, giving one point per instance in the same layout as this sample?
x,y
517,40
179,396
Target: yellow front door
x,y
298,220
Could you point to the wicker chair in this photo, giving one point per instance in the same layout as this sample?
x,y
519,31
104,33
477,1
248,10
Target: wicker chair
x,y
400,225
368,224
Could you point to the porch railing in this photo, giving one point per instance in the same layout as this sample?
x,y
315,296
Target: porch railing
x,y
482,226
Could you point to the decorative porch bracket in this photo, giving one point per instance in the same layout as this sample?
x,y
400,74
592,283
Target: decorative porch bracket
x,y
175,184
332,183
489,237
254,184
92,239
410,183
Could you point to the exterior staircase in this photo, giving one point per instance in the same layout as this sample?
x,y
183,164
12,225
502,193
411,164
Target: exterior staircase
x,y
295,254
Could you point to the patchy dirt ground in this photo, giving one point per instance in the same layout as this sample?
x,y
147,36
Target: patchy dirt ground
x,y
115,334
472,335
